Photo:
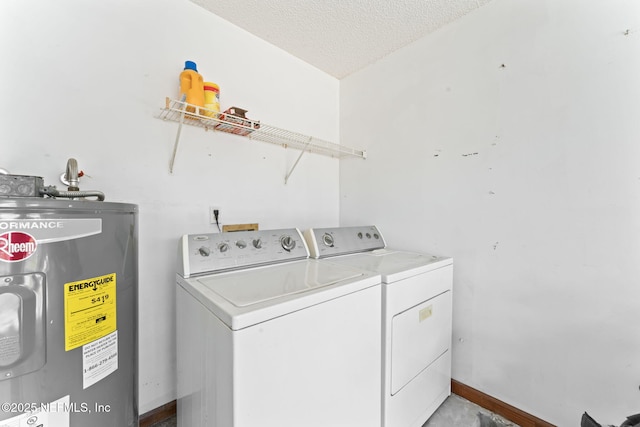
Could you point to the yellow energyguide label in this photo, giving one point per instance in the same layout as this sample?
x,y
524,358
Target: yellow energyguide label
x,y
90,310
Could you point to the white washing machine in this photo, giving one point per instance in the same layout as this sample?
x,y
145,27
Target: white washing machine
x,y
268,337
416,316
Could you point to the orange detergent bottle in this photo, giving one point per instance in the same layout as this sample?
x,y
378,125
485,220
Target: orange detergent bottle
x,y
191,86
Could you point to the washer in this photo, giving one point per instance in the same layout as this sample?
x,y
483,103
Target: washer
x,y
268,337
416,316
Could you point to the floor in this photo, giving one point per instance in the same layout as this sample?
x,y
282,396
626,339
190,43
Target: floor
x,y
459,412
454,412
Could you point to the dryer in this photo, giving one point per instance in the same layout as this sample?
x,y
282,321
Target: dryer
x,y
416,318
268,337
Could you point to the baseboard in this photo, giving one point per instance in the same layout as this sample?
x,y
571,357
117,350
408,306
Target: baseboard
x,y
496,406
162,413
490,403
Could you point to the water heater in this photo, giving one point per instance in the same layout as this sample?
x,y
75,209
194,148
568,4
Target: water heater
x,y
68,311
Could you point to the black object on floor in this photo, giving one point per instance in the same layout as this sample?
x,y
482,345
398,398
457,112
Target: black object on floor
x,y
587,421
632,421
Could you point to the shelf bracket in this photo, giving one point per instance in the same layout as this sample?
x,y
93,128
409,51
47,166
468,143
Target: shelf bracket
x,y
175,144
304,149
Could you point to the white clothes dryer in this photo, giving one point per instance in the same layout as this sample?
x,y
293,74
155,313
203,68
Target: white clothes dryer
x,y
416,316
268,337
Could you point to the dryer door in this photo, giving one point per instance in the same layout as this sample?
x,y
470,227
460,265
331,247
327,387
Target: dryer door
x,y
420,335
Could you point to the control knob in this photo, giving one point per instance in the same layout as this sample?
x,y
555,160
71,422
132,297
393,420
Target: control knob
x,y
241,244
223,247
288,243
257,243
204,251
327,239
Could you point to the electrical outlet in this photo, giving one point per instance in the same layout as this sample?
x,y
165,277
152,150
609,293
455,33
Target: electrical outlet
x,y
214,215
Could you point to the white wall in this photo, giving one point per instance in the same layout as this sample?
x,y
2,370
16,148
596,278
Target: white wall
x,y
529,176
85,80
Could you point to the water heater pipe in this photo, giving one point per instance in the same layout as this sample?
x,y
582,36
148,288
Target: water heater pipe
x,y
71,175
54,192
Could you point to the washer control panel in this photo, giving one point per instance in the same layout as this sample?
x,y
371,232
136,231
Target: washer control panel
x,y
215,252
326,242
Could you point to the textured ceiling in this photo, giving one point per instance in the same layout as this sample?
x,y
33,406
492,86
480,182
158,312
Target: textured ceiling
x,y
340,36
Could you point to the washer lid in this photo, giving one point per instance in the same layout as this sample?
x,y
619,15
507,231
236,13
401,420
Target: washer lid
x,y
262,285
246,297
393,265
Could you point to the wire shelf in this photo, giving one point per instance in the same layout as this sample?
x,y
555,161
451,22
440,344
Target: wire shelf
x,y
188,114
